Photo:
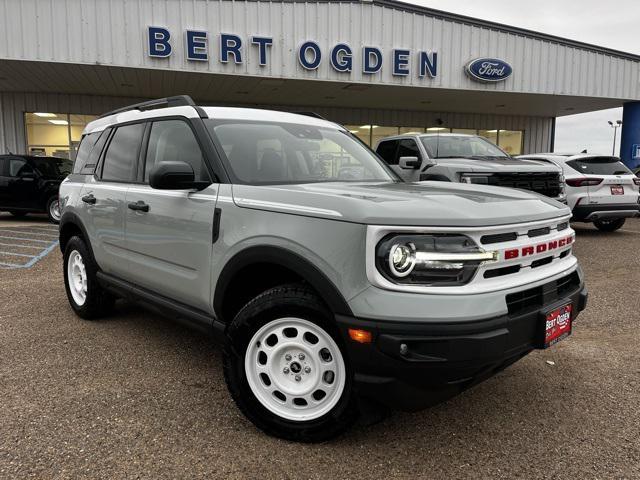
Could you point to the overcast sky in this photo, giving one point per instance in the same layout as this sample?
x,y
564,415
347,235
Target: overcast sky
x,y
609,24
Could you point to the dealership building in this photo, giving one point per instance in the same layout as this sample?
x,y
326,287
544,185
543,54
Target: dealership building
x,y
380,67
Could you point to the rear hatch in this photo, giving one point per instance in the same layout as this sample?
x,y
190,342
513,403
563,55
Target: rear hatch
x,y
606,179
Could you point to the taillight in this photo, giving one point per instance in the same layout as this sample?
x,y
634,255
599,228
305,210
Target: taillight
x,y
636,181
584,182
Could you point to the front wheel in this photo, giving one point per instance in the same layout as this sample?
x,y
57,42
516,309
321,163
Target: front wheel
x,y
285,368
610,225
53,210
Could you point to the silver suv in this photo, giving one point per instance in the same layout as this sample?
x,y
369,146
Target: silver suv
x,y
333,285
455,157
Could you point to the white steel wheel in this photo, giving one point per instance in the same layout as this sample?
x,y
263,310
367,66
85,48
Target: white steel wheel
x,y
295,369
54,210
77,278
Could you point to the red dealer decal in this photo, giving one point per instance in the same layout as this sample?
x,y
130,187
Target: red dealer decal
x,y
539,248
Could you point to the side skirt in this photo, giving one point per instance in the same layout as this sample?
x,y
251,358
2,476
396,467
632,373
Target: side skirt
x,y
184,314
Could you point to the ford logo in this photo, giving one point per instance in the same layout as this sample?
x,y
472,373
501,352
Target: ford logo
x,y
488,70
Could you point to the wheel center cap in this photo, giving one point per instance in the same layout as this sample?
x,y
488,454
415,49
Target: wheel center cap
x,y
296,367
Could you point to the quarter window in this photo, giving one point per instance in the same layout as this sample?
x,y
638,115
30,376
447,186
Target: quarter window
x,y
122,153
18,167
173,140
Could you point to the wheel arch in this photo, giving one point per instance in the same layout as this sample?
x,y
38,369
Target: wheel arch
x,y
244,263
70,225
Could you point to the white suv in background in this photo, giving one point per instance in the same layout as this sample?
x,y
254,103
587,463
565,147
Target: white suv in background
x,y
600,188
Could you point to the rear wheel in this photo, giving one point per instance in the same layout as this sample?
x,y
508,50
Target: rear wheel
x,y
609,225
285,368
87,298
53,210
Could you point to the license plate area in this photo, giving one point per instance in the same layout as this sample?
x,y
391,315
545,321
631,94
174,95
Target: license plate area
x,y
617,190
556,323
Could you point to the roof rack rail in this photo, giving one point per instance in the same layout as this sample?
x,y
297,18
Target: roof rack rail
x,y
310,114
175,101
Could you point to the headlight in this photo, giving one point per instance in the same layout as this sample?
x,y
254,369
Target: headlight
x,y
430,259
478,178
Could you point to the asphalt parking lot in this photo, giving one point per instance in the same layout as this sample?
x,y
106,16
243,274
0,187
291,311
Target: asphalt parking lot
x,y
137,396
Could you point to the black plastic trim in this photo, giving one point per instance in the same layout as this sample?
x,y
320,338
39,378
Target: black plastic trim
x,y
581,212
215,233
191,317
286,258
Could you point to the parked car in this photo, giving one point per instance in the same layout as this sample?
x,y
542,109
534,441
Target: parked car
x,y
600,188
30,184
332,283
452,157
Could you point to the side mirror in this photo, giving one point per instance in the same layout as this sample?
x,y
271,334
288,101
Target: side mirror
x,y
172,176
409,163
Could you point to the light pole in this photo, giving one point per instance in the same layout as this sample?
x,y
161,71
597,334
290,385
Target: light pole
x,y
615,130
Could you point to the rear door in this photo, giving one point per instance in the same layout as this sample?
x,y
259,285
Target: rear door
x,y
21,184
170,242
104,197
611,182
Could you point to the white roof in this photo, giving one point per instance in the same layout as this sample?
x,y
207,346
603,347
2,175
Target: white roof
x,y
220,113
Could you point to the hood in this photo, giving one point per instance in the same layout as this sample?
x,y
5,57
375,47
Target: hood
x,y
411,204
497,164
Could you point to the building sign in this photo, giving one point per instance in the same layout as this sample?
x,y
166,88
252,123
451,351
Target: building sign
x,y
488,70
635,152
309,55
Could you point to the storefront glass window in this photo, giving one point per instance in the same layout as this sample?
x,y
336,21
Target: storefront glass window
x,y
510,141
491,135
54,134
411,129
362,132
466,131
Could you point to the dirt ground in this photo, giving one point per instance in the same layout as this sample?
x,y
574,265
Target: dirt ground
x,y
137,396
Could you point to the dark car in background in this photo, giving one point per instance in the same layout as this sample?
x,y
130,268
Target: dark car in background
x,y
29,184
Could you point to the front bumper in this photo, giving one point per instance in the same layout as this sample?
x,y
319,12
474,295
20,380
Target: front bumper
x,y
591,212
411,366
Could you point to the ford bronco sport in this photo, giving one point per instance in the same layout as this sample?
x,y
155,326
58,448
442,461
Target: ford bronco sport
x,y
333,285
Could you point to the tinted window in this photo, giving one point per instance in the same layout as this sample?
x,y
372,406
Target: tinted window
x,y
599,166
122,153
173,140
387,150
451,146
407,148
269,152
94,157
86,145
17,167
52,167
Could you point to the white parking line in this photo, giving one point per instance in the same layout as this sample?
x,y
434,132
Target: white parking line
x,y
50,235
26,239
17,254
19,246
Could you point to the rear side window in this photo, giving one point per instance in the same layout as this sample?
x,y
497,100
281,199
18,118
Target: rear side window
x,y
122,153
173,140
86,145
407,148
599,166
387,150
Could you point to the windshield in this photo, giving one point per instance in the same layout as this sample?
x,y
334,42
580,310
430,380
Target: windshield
x,y
600,166
445,146
52,167
262,153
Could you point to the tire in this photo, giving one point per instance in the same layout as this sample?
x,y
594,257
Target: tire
x,y
86,297
296,310
609,225
53,210
18,214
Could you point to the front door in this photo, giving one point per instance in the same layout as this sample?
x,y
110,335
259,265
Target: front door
x,y
169,239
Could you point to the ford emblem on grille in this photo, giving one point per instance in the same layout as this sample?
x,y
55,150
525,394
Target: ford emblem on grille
x,y
488,70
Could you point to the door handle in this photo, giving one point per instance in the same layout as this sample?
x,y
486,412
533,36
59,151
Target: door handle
x,y
89,199
139,206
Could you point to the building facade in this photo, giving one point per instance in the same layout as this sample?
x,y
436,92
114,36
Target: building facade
x,y
380,67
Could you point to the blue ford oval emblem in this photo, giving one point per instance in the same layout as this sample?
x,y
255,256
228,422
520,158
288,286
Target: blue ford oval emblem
x,y
488,69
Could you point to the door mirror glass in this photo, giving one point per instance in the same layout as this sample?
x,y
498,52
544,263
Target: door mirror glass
x,y
173,175
409,163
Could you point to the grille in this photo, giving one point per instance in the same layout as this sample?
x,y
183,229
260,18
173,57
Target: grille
x,y
538,296
544,183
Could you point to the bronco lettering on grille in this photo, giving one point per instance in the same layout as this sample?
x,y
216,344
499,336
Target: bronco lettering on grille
x,y
539,248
